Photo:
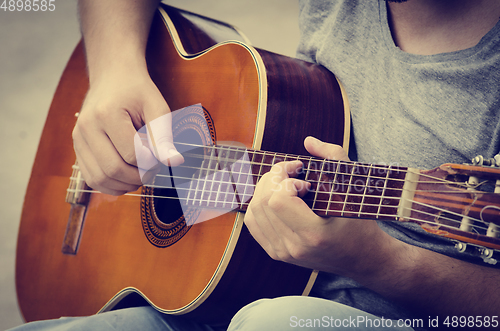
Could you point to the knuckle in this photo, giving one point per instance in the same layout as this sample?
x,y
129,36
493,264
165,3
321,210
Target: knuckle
x,y
297,253
276,204
285,256
129,157
274,256
92,182
99,180
315,239
113,169
83,125
102,112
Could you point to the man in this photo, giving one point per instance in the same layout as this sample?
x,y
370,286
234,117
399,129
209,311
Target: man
x,y
421,76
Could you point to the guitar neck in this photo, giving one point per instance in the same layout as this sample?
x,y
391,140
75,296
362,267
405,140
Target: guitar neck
x,y
228,175
442,201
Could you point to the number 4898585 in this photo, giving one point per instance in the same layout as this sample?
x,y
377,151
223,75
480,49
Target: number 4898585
x,y
28,5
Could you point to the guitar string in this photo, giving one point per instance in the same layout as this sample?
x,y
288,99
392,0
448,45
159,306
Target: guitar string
x,y
394,217
311,159
323,182
346,194
437,180
200,202
337,163
450,212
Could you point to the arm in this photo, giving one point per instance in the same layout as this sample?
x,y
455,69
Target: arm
x,y
424,281
115,34
121,98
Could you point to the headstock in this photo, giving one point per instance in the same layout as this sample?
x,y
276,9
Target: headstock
x,y
461,202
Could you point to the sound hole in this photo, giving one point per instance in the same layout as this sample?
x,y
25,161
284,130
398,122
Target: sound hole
x,y
165,216
172,184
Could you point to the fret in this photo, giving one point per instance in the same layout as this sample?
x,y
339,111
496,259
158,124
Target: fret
x,y
266,163
262,162
229,187
348,189
250,182
228,177
373,193
367,184
393,191
200,183
322,185
273,162
383,190
333,186
250,186
212,176
246,186
191,190
318,186
241,169
221,196
196,179
308,169
220,167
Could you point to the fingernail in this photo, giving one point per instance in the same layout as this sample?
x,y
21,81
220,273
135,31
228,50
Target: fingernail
x,y
173,152
315,141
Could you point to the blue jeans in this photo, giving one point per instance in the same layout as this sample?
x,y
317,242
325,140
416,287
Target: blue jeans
x,y
286,313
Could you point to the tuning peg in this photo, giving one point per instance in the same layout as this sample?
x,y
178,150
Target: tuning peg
x,y
493,162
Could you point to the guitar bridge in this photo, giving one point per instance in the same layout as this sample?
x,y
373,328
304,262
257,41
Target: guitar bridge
x,y
78,196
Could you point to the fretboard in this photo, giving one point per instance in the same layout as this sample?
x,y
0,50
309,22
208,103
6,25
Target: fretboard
x,y
227,177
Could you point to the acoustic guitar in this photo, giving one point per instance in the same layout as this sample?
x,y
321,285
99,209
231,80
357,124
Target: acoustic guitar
x,y
179,243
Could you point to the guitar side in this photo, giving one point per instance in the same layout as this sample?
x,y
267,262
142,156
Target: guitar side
x,y
213,256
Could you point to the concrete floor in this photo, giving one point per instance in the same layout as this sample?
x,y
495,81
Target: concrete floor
x,y
34,48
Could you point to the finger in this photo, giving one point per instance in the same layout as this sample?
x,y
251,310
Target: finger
x,y
120,129
160,137
325,150
98,181
290,168
105,167
146,162
266,226
122,132
259,221
257,234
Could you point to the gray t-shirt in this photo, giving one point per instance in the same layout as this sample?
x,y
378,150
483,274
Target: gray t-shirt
x,y
406,109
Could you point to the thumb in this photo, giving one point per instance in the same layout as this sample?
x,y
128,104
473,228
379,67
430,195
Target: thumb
x,y
160,138
325,150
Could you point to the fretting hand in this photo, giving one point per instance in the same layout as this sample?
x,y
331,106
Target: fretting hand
x,y
290,231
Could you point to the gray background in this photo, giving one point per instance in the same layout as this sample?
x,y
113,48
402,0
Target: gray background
x,y
34,48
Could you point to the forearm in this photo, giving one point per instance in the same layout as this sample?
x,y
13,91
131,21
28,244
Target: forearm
x,y
436,284
115,33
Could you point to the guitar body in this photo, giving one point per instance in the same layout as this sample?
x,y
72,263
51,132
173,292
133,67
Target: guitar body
x,y
124,250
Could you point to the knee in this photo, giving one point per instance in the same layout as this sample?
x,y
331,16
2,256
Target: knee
x,y
290,313
280,313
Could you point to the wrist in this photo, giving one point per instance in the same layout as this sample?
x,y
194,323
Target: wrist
x,y
117,65
386,260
